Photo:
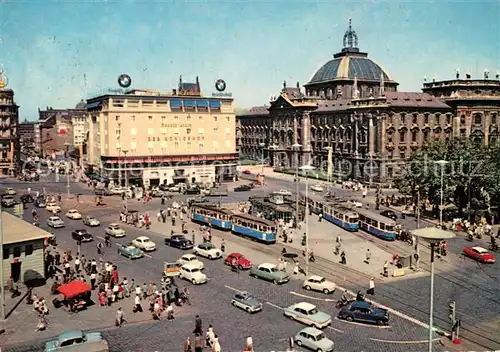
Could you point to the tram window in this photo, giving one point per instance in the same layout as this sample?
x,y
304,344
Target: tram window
x,y
382,226
389,227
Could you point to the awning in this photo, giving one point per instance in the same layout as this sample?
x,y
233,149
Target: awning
x,y
215,104
189,103
73,289
176,103
202,103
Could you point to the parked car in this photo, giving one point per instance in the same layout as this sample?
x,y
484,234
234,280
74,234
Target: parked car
x,y
78,341
192,190
364,312
247,302
130,251
389,214
239,260
246,172
55,222
26,198
319,283
10,191
355,203
308,314
192,259
284,192
192,274
116,191
179,241
73,214
114,230
208,250
480,254
317,188
144,243
82,235
156,192
242,188
53,207
314,339
91,221
8,201
40,203
269,272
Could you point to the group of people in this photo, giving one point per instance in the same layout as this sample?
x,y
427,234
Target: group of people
x,y
40,307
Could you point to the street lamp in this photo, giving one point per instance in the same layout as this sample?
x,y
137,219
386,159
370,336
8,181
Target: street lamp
x,y
329,168
262,145
67,168
125,151
306,169
433,236
296,147
441,163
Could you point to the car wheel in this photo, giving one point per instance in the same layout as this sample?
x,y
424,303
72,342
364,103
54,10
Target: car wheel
x,y
298,342
210,257
275,282
233,303
380,322
240,267
349,318
326,291
308,288
248,310
193,282
319,350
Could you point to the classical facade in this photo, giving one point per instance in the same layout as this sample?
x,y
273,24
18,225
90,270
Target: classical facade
x,y
150,137
29,138
9,136
352,120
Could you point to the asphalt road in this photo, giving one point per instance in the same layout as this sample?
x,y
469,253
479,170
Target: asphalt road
x,y
269,329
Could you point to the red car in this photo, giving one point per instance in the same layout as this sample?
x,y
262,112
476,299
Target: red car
x,y
246,172
239,260
480,254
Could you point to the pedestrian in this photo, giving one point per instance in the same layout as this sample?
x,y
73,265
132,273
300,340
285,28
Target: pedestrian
x,y
198,343
198,326
193,237
216,344
249,345
93,277
296,269
77,264
386,269
67,268
120,317
137,304
170,311
138,291
342,258
187,342
210,336
371,289
223,245
368,256
99,248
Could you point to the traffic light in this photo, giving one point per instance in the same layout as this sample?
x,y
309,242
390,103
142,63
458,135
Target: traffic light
x,y
452,311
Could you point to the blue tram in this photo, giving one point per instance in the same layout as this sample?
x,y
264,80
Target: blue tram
x,y
341,216
211,215
314,201
255,228
376,224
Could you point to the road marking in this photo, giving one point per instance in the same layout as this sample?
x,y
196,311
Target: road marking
x,y
274,305
232,288
337,330
404,342
315,298
147,255
101,238
364,325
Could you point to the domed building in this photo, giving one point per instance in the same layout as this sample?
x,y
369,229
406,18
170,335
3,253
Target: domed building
x,y
349,68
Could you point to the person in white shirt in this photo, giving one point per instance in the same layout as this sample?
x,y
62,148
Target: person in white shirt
x,y
210,336
137,304
77,264
93,277
216,344
371,289
170,312
138,291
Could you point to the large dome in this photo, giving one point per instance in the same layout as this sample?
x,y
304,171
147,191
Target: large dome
x,y
350,66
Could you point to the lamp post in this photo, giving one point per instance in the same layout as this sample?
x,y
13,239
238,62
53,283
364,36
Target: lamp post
x,y
296,147
67,168
125,151
262,145
441,163
306,169
417,247
433,236
330,165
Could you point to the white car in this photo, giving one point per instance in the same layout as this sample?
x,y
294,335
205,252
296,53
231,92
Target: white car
x,y
144,243
355,203
317,188
319,283
117,191
191,273
55,222
284,192
73,214
208,250
53,207
91,221
191,259
115,230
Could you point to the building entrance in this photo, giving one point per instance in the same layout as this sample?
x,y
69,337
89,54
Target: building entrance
x,y
15,270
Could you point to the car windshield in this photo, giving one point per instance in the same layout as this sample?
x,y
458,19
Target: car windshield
x,y
209,246
91,218
273,270
146,240
312,311
114,227
195,270
322,280
320,337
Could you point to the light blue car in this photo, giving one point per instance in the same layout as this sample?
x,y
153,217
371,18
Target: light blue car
x,y
77,340
314,339
130,251
308,314
55,222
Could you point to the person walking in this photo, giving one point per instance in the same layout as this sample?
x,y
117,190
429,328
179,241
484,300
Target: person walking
x,y
216,344
371,289
198,343
120,317
368,256
198,326
187,345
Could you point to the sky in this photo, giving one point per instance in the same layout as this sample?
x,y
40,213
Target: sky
x,y
56,53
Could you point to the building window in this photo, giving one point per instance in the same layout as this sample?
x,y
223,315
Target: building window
x,y
117,118
228,118
478,119
163,119
228,131
200,130
133,145
188,146
133,131
402,155
188,130
150,118
402,136
17,252
28,249
426,118
216,129
414,136
150,131
176,145
6,252
133,117
448,119
188,117
414,120
176,117
215,118
493,119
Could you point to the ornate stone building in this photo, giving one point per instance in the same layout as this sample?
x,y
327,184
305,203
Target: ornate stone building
x,y
352,106
9,133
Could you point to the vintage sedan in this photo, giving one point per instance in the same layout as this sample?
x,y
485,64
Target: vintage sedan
x,y
10,191
53,207
319,283
144,243
284,192
192,274
40,203
82,235
269,272
239,260
247,302
192,259
317,188
389,214
8,201
314,339
114,230
130,251
73,214
91,221
76,341
308,314
179,241
55,222
26,198
364,312
208,250
480,254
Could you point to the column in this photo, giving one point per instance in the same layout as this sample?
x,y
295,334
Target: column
x,y
295,130
371,135
486,128
11,155
306,138
383,135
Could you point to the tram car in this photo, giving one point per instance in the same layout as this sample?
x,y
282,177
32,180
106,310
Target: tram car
x,y
341,216
255,228
314,201
376,224
212,215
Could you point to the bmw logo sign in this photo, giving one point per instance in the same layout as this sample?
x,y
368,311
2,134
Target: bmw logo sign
x,y
124,81
220,85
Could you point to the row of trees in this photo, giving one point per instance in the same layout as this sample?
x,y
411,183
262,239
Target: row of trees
x,y
470,174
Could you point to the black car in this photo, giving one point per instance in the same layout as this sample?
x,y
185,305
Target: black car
x,y
192,190
27,198
364,312
40,203
389,214
242,188
82,235
179,241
